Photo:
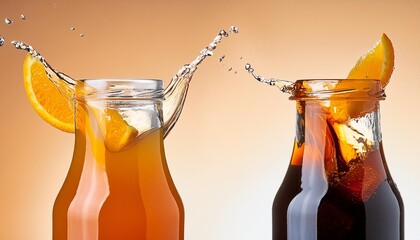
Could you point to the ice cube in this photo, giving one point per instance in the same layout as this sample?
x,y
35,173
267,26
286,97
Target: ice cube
x,y
358,136
361,181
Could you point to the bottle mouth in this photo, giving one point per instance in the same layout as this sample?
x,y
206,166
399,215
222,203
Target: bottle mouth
x,y
338,89
131,89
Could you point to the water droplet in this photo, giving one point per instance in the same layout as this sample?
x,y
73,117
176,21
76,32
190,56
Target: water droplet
x,y
248,67
82,35
1,41
241,57
235,72
224,33
229,69
8,21
221,58
212,46
234,29
72,28
23,17
283,85
209,53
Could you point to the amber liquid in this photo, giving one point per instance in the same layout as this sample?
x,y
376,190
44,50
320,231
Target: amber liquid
x,y
359,199
118,195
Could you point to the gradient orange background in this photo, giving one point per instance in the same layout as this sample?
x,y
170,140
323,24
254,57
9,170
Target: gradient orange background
x,y
230,149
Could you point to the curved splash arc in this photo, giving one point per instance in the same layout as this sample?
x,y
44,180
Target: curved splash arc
x,y
175,93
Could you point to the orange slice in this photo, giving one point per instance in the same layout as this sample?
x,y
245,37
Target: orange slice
x,y
44,96
52,107
378,63
116,131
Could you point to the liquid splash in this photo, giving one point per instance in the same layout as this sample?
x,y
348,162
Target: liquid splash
x,y
175,93
2,41
65,84
23,17
283,85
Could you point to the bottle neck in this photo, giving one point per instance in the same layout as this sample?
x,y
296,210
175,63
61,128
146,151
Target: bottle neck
x,y
336,131
338,152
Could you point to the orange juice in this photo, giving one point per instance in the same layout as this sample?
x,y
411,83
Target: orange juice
x,y
124,193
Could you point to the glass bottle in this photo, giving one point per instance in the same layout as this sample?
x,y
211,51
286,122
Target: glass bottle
x,y
118,185
338,184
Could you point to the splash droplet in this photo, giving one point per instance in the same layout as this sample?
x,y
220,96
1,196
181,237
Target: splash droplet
x,y
1,41
221,58
82,35
23,17
224,33
8,21
230,69
234,29
249,68
72,28
283,85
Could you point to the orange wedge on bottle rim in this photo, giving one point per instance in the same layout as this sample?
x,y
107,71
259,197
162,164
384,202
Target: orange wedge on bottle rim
x,y
45,97
377,63
55,109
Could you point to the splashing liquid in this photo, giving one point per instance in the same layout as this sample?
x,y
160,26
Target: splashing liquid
x,y
283,85
65,84
175,93
177,89
1,41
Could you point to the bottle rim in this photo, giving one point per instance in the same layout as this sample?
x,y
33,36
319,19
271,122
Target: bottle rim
x,y
337,89
120,89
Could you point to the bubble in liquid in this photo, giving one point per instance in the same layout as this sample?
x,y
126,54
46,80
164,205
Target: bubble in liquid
x,y
1,41
8,21
23,17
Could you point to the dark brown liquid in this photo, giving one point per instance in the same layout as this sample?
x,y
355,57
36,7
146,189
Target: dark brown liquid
x,y
345,211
